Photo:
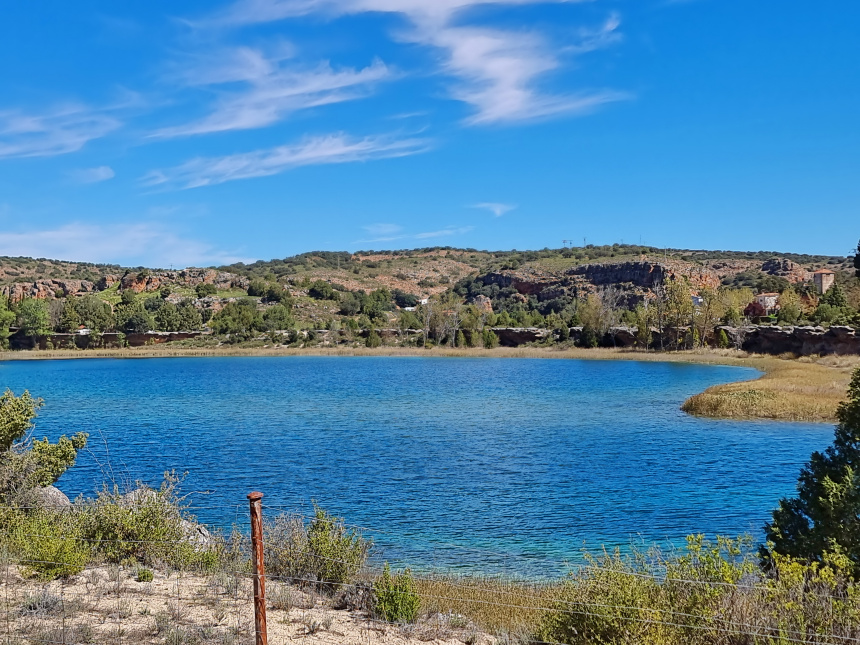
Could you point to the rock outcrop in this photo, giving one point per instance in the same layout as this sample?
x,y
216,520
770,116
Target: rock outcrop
x,y
46,289
791,271
802,341
147,281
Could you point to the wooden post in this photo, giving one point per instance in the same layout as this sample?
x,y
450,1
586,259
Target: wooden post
x,y
259,567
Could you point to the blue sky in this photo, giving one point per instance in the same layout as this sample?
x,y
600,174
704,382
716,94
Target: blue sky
x,y
198,133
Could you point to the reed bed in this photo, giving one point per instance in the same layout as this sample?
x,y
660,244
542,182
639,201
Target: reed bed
x,y
806,389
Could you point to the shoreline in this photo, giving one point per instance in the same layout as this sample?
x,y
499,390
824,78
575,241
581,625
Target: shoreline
x,y
806,389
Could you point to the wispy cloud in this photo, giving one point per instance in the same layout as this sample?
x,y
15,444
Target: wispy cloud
x,y
389,233
496,208
379,230
56,132
271,87
92,175
127,244
497,71
331,149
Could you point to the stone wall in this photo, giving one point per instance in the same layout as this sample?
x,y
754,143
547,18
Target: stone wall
x,y
803,341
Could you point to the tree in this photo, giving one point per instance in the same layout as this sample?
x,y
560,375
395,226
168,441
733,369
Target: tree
x,y
491,340
320,290
706,315
824,518
167,318
70,319
373,339
139,322
857,261
789,307
95,313
33,317
644,316
239,317
835,297
350,305
7,317
204,290
25,463
190,318
278,318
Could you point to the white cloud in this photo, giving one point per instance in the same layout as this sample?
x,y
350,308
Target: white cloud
x,y
496,208
57,132
130,245
389,236
497,70
271,88
330,149
92,175
382,229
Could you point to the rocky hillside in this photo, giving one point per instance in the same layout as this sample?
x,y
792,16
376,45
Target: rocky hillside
x,y
545,274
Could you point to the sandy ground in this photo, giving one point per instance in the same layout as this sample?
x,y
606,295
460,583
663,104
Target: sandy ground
x,y
108,605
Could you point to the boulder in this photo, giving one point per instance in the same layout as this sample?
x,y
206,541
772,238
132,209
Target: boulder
x,y
51,497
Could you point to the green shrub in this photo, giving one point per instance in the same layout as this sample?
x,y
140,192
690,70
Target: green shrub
x,y
491,340
205,289
373,339
723,340
321,552
47,543
395,598
146,526
144,575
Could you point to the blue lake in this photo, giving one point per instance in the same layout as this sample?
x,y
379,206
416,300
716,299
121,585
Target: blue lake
x,y
491,465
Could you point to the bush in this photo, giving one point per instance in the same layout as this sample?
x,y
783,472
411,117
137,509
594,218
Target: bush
x,y
322,290
589,338
144,575
723,340
713,594
322,552
373,339
145,525
395,599
47,543
491,340
204,290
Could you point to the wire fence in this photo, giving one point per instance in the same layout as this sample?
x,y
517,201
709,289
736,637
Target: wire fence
x,y
129,603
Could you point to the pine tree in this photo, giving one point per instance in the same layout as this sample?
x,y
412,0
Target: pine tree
x,y
825,515
857,261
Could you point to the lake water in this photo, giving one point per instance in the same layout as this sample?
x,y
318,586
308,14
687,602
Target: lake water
x,y
492,465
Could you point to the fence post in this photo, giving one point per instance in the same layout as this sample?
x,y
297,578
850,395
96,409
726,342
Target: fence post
x,y
259,567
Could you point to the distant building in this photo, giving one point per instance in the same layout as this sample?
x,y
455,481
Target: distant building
x,y
769,301
824,279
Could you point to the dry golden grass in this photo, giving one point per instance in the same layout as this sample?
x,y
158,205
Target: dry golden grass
x,y
806,389
495,606
791,389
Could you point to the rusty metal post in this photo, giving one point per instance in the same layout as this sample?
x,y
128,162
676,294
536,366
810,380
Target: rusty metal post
x,y
259,567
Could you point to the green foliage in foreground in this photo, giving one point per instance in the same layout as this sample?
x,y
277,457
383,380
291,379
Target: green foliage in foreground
x,y
144,527
395,598
713,594
823,521
26,464
321,552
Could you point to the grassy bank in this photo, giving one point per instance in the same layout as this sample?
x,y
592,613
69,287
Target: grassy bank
x,y
790,389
